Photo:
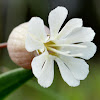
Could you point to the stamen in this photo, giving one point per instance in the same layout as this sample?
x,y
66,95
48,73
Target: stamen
x,y
76,55
65,53
69,45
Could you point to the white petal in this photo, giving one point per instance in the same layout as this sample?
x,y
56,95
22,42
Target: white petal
x,y
88,50
31,44
47,75
66,74
37,29
82,34
70,26
78,67
38,63
56,19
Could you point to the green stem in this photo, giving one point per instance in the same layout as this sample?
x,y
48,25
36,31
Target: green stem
x,y
47,91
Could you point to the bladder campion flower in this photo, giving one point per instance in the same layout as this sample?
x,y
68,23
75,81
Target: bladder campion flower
x,y
66,46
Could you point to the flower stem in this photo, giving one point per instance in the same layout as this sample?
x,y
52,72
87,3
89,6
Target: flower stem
x,y
3,45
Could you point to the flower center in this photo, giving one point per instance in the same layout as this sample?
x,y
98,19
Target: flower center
x,y
50,45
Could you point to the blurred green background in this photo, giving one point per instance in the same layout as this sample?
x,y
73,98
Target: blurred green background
x,y
15,12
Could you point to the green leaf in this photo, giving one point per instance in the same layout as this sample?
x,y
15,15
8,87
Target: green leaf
x,y
11,80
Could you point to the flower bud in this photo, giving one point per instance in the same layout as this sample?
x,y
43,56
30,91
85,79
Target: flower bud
x,y
16,46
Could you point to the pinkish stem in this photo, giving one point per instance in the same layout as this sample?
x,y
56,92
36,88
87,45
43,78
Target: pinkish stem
x,y
3,45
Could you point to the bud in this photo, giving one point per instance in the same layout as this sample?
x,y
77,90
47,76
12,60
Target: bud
x,y
16,46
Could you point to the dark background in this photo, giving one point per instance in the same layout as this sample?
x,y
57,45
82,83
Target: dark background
x,y
15,12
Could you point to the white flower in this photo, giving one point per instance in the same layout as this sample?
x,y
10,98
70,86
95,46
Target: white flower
x,y
61,46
